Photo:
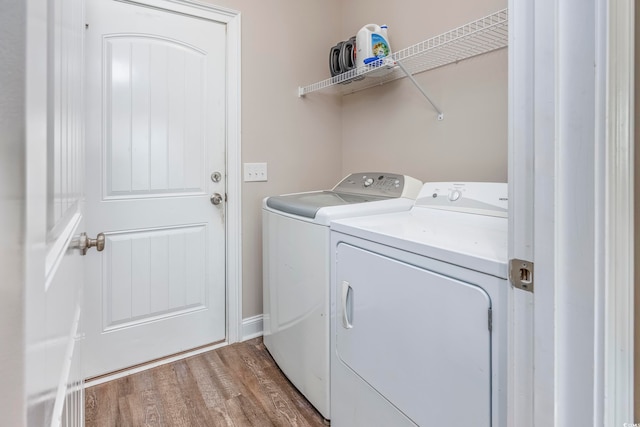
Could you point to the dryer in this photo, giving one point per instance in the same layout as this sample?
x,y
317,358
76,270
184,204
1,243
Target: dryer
x,y
418,312
296,263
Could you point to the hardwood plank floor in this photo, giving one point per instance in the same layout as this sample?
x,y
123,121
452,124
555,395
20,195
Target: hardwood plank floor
x,y
238,385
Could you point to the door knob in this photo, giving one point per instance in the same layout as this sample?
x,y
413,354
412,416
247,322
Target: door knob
x,y
216,198
84,243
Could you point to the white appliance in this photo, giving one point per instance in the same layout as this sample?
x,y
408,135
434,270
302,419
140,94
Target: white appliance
x,y
296,264
418,312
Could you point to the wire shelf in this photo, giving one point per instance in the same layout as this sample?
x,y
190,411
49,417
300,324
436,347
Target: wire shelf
x,y
475,38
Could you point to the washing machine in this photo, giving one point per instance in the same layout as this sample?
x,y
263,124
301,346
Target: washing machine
x,y
418,312
296,262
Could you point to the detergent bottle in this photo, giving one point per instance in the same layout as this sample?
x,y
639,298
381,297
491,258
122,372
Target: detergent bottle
x,y
372,44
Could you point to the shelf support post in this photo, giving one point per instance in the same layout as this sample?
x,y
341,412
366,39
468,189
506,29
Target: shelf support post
x,y
417,85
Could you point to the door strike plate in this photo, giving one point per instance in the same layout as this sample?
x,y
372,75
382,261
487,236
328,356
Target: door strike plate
x,y
521,274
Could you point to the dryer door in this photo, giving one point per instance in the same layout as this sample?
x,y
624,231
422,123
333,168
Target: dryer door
x,y
420,339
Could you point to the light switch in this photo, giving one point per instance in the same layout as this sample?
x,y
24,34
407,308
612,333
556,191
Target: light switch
x,y
255,172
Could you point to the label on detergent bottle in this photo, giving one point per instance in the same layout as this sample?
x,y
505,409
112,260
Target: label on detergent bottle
x,y
379,46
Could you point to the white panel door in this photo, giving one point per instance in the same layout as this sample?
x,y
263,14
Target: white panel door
x,y
155,135
55,212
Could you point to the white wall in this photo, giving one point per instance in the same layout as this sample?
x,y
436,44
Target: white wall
x,y
284,44
394,128
12,187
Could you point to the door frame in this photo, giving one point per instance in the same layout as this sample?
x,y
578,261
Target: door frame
x,y
231,18
544,332
618,287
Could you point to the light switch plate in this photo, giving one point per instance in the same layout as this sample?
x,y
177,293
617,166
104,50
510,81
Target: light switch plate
x,y
255,172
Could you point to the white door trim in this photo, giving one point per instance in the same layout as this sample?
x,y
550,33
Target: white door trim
x,y
521,82
608,214
191,8
601,355
234,200
619,217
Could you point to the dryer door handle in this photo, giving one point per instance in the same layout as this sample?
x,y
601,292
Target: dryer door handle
x,y
347,305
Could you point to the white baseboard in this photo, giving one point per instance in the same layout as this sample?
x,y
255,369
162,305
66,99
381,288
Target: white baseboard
x,y
252,327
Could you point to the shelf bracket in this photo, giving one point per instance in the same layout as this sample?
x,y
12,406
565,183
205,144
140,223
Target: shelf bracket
x,y
417,85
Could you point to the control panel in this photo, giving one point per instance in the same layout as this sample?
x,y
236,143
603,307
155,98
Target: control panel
x,y
482,198
379,184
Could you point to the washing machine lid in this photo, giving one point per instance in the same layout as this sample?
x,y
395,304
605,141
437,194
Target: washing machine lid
x,y
308,204
354,189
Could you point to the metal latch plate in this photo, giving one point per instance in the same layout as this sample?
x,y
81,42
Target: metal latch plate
x,y
521,274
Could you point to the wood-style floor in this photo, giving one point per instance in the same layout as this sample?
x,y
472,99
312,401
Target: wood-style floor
x,y
237,385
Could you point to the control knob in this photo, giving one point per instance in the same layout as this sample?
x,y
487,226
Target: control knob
x,y
454,195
